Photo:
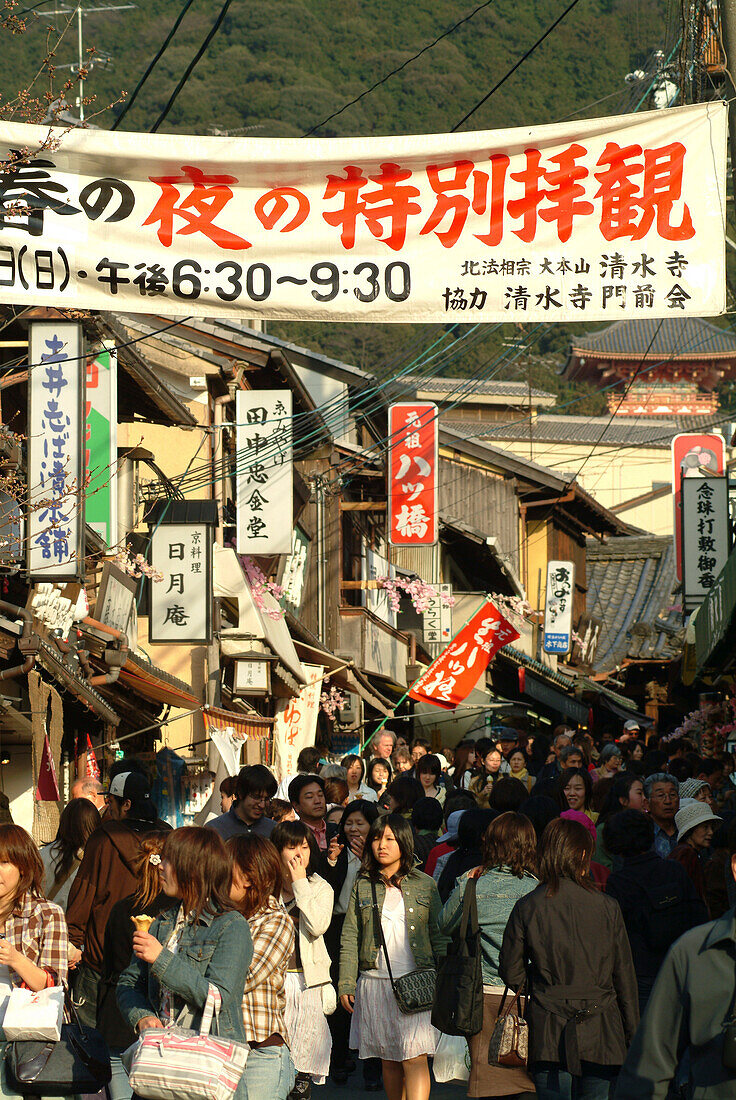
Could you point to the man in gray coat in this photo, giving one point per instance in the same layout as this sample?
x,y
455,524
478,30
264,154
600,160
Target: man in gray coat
x,y
693,996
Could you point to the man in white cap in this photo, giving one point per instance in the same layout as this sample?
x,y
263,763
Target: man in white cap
x,y
630,731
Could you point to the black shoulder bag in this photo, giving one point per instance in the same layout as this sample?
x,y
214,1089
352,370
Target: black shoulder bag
x,y
458,1000
78,1063
414,992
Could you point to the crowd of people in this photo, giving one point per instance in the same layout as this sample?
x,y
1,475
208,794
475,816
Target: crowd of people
x,y
602,871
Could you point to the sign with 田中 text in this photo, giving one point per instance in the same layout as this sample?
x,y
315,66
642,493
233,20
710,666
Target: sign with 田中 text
x,y
592,220
264,474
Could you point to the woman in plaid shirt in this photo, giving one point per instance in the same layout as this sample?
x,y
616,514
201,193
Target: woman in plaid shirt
x,y
256,885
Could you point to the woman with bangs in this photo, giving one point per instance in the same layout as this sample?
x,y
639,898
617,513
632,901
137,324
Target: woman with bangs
x,y
256,887
507,872
409,907
200,941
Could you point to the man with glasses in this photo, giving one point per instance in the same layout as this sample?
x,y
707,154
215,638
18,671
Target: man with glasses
x,y
247,815
663,792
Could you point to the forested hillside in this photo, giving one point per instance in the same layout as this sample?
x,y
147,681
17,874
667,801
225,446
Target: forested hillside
x,y
281,67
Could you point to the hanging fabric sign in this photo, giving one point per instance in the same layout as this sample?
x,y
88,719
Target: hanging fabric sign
x,y
453,675
296,723
579,221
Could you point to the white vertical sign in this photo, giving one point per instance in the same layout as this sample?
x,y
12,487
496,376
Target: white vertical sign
x,y
264,476
558,607
437,619
296,723
181,603
55,450
705,536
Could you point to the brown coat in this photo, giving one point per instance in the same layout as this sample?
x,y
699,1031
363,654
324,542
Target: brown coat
x,y
575,953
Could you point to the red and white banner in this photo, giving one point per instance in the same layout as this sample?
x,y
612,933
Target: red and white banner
x,y
592,220
694,454
413,431
295,727
48,785
451,678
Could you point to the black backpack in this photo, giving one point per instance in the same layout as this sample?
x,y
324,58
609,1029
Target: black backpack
x,y
666,914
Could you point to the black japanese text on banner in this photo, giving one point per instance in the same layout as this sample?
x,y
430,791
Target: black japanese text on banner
x,y
593,220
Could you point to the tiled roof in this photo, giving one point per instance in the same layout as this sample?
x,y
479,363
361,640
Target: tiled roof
x,y
648,338
619,431
630,589
467,387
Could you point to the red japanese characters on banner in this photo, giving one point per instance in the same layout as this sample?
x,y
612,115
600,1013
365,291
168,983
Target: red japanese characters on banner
x,y
450,679
412,473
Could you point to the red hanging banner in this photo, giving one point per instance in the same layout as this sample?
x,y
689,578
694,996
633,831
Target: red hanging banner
x,y
91,767
48,787
412,474
453,675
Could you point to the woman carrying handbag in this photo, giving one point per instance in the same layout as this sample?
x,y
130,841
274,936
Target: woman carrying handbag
x,y
201,943
391,945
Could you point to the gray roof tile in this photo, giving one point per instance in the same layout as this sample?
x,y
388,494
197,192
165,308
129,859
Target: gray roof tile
x,y
670,338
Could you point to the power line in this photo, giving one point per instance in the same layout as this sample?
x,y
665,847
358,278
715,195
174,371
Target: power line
x,y
404,65
190,67
513,68
153,64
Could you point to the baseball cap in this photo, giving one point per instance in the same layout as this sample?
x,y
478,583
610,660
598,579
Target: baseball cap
x,y
452,823
632,724
691,815
130,785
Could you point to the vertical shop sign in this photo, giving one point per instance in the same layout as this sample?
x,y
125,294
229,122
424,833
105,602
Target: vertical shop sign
x,y
705,536
437,619
412,472
558,607
264,475
55,451
181,603
295,727
694,454
101,451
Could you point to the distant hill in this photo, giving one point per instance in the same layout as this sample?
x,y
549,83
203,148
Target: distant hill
x,y
280,67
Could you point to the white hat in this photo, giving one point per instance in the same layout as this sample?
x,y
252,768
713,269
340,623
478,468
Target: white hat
x,y
692,814
632,724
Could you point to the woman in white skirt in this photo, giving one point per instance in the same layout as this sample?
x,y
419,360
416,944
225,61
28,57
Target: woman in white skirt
x,y
310,997
409,907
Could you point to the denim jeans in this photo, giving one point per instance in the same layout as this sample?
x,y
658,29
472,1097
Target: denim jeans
x,y
558,1084
269,1074
119,1087
84,994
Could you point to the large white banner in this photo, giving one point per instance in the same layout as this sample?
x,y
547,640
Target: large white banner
x,y
593,220
296,723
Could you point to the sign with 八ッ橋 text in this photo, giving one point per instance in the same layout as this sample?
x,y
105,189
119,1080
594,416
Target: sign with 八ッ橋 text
x,y
558,607
181,603
705,536
578,221
413,430
56,450
264,471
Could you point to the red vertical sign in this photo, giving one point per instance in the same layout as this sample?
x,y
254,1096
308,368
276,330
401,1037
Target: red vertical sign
x,y
693,455
412,474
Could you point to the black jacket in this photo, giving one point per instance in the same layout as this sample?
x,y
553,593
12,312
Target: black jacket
x,y
574,951
659,903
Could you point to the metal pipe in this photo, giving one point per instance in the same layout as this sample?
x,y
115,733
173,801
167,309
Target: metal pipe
x,y
28,641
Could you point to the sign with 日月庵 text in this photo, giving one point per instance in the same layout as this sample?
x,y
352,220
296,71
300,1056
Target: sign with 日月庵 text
x,y
578,221
705,536
55,450
412,474
181,602
264,475
558,607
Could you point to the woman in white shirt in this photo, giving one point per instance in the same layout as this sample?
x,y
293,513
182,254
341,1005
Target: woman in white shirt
x,y
62,857
355,768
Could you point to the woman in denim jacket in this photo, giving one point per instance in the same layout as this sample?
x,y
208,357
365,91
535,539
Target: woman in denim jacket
x,y
205,942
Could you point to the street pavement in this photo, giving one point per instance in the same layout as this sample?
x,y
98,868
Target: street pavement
x,y
354,1090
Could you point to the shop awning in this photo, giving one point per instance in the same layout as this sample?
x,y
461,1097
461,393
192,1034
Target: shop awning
x,y
73,682
242,725
157,686
347,679
264,623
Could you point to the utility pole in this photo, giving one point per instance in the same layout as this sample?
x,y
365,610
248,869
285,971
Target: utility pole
x,y
727,10
80,13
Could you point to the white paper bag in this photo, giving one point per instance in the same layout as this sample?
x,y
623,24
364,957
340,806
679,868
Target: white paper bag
x,y
32,1015
451,1059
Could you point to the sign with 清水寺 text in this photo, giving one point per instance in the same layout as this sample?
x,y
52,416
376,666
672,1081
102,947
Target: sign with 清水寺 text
x,y
264,475
705,536
558,607
181,602
577,221
295,727
55,450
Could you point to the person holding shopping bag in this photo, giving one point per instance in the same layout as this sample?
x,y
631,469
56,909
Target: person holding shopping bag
x,y
310,997
398,907
202,942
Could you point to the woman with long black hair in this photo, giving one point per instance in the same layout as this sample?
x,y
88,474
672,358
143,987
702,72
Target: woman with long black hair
x,y
408,908
62,857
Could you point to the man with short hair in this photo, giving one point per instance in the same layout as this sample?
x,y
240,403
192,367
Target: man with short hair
x,y
686,1015
631,731
663,793
383,745
571,757
553,770
308,762
307,796
247,815
420,746
91,789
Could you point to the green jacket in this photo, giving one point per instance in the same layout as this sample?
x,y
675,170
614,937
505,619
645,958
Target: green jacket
x,y
694,993
359,944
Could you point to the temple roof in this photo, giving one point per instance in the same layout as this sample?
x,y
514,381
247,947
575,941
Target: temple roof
x,y
649,338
